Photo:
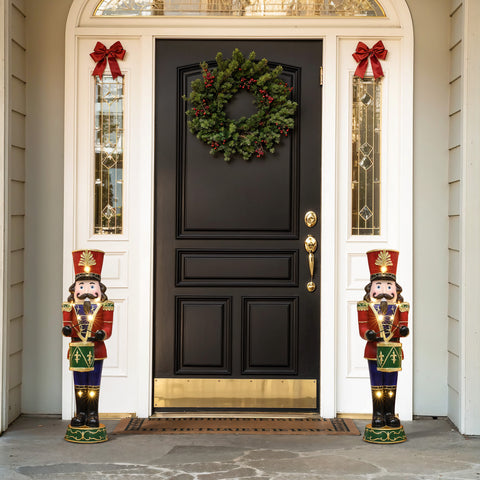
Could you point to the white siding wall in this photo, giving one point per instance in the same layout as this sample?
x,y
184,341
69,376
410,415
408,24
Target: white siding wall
x,y
16,82
464,221
455,206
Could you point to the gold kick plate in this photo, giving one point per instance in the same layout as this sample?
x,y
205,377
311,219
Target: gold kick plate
x,y
235,393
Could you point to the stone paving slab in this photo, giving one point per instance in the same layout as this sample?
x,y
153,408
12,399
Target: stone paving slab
x,y
33,449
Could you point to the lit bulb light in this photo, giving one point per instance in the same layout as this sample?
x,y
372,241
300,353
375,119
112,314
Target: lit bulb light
x,y
92,394
90,317
380,317
80,393
87,269
383,269
390,394
379,394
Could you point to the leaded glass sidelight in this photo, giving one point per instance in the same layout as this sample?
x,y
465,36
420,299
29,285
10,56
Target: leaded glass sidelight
x,y
109,137
241,8
366,137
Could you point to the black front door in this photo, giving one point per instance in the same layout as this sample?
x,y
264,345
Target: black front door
x,y
235,326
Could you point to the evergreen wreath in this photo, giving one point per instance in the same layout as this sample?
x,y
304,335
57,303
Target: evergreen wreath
x,y
247,137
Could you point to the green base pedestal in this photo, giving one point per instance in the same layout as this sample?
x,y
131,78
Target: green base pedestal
x,y
384,435
86,434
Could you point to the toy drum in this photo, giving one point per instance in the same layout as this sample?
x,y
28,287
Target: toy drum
x,y
82,356
389,356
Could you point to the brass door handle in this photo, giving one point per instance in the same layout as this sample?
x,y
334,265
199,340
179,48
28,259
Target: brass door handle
x,y
311,247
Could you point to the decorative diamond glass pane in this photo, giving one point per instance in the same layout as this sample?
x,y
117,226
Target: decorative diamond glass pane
x,y
366,163
109,137
366,137
241,8
365,213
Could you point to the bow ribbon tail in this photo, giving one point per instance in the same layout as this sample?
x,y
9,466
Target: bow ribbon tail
x,y
361,68
114,68
376,66
100,67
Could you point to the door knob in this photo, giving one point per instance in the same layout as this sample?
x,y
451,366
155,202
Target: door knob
x,y
310,219
311,247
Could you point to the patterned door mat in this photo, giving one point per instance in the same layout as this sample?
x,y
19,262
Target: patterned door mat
x,y
248,426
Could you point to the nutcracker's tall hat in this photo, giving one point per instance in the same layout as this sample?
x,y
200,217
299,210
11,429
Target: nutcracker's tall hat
x,y
88,264
383,264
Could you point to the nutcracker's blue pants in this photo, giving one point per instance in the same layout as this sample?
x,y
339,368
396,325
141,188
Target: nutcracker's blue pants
x,y
91,378
380,379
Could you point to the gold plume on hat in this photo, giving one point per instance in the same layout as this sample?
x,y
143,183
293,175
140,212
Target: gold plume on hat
x,y
384,259
87,259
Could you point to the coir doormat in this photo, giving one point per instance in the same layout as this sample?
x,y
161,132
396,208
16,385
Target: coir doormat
x,y
247,426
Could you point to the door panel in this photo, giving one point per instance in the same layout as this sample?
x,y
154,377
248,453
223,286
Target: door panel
x,y
237,268
273,322
207,319
230,265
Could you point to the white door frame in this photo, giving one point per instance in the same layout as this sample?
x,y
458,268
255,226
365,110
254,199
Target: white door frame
x,y
139,34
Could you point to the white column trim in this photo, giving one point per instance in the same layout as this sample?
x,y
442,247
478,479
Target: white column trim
x,y
4,357
470,207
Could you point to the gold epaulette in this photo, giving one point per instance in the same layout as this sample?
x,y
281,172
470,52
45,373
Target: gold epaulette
x,y
362,306
404,307
108,306
66,307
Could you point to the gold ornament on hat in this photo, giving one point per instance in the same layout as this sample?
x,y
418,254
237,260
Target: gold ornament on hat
x,y
384,260
87,260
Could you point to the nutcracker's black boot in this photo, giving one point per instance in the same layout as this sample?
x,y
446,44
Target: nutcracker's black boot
x,y
92,415
390,419
81,407
378,420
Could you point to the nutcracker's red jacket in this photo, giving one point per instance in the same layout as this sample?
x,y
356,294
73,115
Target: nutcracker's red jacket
x,y
103,321
367,320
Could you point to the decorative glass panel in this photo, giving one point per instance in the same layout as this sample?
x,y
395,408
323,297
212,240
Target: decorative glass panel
x,y
366,137
241,8
109,155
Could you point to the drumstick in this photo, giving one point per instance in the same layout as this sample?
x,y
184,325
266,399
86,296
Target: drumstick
x,y
79,332
75,327
391,332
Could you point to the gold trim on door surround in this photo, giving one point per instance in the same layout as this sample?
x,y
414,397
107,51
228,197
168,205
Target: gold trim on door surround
x,y
234,393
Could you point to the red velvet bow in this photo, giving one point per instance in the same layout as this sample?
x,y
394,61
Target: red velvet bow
x,y
362,53
101,54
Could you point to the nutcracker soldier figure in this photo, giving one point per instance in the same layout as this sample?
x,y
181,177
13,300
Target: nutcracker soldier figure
x,y
87,319
382,320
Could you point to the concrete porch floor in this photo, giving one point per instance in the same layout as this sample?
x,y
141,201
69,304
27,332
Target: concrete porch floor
x,y
33,448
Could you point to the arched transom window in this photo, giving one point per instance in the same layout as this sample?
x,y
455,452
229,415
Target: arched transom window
x,y
241,8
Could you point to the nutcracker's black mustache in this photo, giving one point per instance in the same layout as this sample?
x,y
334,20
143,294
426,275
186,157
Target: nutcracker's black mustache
x,y
87,295
383,295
